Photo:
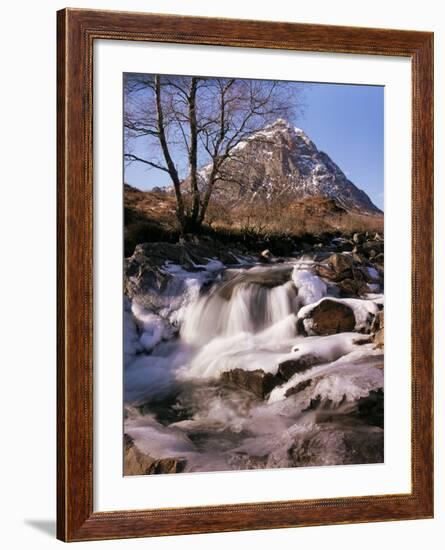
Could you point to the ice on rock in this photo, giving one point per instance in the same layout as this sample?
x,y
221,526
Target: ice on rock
x,y
348,378
153,327
132,344
311,288
364,311
246,319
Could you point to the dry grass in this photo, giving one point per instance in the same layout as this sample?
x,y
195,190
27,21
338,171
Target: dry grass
x,y
150,216
312,216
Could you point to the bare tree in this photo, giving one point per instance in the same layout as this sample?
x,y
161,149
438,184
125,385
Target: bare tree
x,y
186,122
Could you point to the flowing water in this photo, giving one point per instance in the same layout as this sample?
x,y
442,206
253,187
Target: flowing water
x,y
246,318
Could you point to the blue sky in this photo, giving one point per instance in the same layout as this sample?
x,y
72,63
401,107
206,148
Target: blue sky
x,y
345,121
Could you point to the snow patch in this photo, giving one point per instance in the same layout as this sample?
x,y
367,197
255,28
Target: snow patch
x,y
311,288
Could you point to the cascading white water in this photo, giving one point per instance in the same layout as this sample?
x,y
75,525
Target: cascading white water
x,y
247,320
250,308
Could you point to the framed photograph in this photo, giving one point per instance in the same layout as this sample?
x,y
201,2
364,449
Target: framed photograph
x,y
245,230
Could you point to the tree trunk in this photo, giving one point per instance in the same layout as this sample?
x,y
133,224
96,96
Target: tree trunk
x,y
180,213
208,193
193,152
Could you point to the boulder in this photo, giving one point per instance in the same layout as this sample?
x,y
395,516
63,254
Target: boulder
x,y
379,339
167,466
358,257
326,272
378,260
372,248
138,463
328,317
358,238
370,408
349,287
258,382
370,274
378,330
288,368
341,262
362,444
298,388
266,255
150,274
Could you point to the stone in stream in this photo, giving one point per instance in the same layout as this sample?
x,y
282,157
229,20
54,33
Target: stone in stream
x,y
349,287
298,388
358,238
288,368
370,408
341,263
138,463
266,255
328,317
148,274
378,330
257,381
338,267
326,272
332,444
373,248
378,260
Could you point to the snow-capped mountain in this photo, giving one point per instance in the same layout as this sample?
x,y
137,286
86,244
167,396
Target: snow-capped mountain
x,y
281,161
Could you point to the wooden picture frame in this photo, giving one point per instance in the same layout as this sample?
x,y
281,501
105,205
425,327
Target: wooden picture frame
x,y
77,31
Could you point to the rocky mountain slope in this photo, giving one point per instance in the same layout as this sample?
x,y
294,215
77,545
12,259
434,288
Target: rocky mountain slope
x,y
281,162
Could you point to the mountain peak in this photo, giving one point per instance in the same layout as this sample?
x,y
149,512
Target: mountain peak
x,y
281,161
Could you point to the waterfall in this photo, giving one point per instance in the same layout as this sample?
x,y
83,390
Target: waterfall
x,y
248,303
247,320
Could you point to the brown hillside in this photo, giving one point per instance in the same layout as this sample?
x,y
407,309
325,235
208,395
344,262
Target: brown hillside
x,y
150,216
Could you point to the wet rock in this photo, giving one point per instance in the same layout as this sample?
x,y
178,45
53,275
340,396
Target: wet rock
x,y
266,255
328,317
379,339
151,273
349,287
326,272
372,248
333,443
379,261
378,330
362,341
264,277
243,461
138,463
370,408
358,238
298,387
341,262
288,368
167,466
358,258
258,382
370,275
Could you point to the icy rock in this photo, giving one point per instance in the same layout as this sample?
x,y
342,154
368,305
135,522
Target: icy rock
x,y
310,287
266,255
288,368
258,382
378,330
328,317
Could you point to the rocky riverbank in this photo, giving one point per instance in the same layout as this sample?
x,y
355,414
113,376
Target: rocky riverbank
x,y
236,360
